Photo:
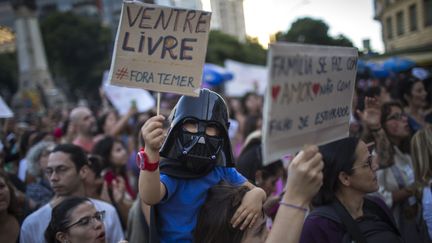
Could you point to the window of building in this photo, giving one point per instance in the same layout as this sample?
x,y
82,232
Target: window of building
x,y
389,28
427,6
399,23
413,17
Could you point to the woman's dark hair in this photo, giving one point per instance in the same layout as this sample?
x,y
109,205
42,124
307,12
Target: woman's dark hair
x,y
250,125
13,207
243,101
250,161
76,154
338,156
60,217
405,88
103,149
213,224
102,119
95,163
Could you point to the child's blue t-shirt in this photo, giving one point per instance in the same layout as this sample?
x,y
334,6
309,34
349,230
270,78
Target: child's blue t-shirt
x,y
177,213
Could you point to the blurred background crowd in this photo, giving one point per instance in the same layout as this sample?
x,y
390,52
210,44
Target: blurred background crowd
x,y
398,119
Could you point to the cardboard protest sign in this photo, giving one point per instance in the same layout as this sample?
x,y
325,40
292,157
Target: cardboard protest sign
x,y
5,111
308,99
160,48
247,78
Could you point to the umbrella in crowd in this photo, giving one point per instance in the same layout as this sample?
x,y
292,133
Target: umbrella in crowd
x,y
362,67
377,70
398,64
214,75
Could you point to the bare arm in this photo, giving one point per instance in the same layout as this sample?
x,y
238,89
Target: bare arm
x,y
304,180
371,119
122,122
384,148
151,189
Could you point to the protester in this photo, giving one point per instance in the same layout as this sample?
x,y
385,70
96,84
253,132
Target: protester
x,y
111,124
250,165
213,224
10,214
84,124
252,123
93,181
114,155
421,150
76,220
413,95
397,182
251,104
373,131
304,180
305,177
66,169
137,229
342,212
198,156
38,189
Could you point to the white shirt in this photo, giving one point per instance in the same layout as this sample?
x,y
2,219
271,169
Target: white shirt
x,y
34,226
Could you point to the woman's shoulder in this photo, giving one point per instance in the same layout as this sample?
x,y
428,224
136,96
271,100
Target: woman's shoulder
x,y
320,226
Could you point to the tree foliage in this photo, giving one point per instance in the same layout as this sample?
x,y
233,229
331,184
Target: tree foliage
x,y
222,46
312,31
78,51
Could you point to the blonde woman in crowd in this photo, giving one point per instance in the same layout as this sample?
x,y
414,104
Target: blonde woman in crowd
x,y
421,151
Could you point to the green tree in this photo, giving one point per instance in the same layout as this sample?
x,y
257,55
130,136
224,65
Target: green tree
x,y
222,46
78,51
312,31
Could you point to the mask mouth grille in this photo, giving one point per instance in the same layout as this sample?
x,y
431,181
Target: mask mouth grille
x,y
200,150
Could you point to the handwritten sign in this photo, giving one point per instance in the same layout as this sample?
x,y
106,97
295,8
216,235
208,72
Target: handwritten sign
x,y
308,99
160,48
5,111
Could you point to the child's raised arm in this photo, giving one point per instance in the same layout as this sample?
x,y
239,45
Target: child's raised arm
x,y
151,189
251,207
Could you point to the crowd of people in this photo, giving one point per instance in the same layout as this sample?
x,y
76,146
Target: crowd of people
x,y
194,173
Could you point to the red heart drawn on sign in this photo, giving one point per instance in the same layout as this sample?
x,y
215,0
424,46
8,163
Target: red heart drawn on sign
x,y
275,91
316,88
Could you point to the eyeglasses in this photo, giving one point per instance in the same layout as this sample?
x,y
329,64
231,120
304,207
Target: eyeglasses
x,y
397,117
367,163
85,221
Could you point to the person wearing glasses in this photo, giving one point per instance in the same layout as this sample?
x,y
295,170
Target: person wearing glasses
x,y
66,170
342,211
75,220
397,182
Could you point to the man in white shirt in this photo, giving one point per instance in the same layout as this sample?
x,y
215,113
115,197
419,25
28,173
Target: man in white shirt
x,y
66,169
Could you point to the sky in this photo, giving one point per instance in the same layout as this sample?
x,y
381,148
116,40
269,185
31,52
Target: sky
x,y
352,18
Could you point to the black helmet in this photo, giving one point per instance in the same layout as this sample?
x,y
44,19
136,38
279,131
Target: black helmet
x,y
198,151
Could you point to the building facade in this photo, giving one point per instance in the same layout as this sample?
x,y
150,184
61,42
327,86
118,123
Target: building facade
x,y
228,17
406,28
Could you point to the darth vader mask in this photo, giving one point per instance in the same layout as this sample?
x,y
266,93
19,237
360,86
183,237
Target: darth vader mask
x,y
198,137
